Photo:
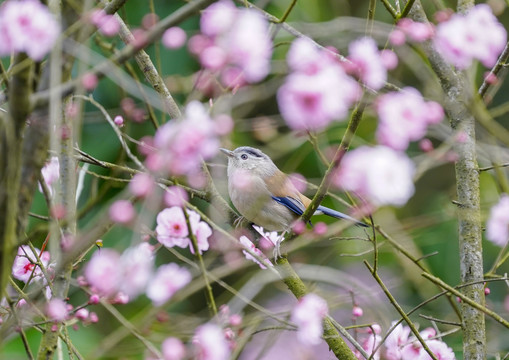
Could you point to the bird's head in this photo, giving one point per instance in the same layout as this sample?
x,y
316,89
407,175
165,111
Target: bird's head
x,y
249,159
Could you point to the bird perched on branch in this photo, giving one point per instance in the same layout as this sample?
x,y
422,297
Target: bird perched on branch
x,y
265,195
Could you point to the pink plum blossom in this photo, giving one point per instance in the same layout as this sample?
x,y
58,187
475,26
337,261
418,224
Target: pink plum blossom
x,y
50,173
379,174
497,226
308,315
103,272
120,297
269,238
93,317
175,196
399,345
122,212
367,62
395,341
233,39
94,299
305,57
107,25
183,145
405,116
397,37
369,343
317,91
249,45
440,350
136,264
56,309
172,229
476,35
210,343
119,120
142,185
201,231
27,26
357,311
82,314
389,59
415,31
426,145
174,38
235,320
89,81
246,243
24,263
218,18
168,279
320,228
311,102
173,349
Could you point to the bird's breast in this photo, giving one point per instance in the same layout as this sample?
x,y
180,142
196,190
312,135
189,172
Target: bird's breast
x,y
249,194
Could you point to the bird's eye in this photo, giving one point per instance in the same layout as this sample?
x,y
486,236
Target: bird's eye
x,y
243,157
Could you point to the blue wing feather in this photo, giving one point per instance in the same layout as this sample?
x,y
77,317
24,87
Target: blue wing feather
x,y
298,208
339,215
290,203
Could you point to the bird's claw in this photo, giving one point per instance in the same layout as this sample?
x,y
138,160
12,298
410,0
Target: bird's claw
x,y
238,221
277,247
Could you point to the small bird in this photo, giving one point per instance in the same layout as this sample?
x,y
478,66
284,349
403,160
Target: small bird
x,y
265,195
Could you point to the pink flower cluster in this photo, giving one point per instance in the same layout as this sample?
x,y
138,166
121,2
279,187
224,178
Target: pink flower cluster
x,y
404,116
370,342
56,309
210,343
379,174
497,227
317,91
308,316
168,279
174,38
476,35
24,263
50,173
172,229
399,345
27,26
182,145
414,31
369,64
107,25
108,273
234,42
173,349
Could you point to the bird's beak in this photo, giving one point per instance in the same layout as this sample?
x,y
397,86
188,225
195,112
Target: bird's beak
x,y
227,152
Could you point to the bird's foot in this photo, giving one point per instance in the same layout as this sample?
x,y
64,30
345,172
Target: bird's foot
x,y
277,247
238,221
277,251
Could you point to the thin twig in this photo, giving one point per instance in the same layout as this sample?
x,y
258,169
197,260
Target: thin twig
x,y
466,299
400,310
197,252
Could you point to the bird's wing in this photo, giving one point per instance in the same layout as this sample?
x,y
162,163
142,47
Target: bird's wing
x,y
291,203
285,193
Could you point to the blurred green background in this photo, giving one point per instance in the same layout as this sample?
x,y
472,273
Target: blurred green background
x,y
425,226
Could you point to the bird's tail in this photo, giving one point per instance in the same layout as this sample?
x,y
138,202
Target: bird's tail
x,y
339,215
